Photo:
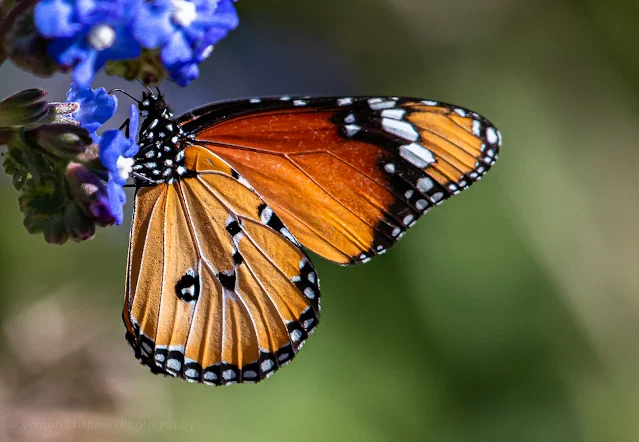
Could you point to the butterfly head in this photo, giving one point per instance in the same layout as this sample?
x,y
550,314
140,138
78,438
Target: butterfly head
x,y
161,156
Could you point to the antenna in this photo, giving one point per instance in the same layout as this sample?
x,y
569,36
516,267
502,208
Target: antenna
x,y
125,93
145,86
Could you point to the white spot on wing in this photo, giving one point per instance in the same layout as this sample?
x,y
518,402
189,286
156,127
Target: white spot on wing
x,y
174,364
377,104
190,290
476,128
288,235
395,114
425,184
266,215
352,129
491,135
296,335
400,128
228,375
267,365
421,204
417,155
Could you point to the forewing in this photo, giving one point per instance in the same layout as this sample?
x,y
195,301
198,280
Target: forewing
x,y
349,176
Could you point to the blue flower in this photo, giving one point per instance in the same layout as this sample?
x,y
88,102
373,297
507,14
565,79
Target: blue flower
x,y
96,107
185,31
116,155
85,34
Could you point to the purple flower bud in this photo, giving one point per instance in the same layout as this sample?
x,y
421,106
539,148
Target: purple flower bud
x,y
90,194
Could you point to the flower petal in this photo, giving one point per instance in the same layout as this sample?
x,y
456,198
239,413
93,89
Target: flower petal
x,y
185,73
84,71
67,51
124,47
96,106
152,26
112,146
56,18
117,198
176,50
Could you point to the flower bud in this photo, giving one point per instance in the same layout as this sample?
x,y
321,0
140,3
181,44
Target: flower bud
x,y
62,140
22,108
77,224
55,231
61,113
89,193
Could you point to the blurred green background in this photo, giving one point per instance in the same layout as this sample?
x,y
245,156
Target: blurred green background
x,y
510,314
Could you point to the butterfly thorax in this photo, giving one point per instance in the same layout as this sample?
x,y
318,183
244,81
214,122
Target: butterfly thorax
x,y
161,140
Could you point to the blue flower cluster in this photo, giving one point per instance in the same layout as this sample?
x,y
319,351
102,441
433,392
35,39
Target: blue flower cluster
x,y
116,152
85,34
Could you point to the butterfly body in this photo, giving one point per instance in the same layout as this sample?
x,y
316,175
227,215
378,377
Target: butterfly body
x,y
162,143
218,289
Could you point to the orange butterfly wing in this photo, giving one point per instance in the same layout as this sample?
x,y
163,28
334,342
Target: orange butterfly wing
x,y
348,176
218,290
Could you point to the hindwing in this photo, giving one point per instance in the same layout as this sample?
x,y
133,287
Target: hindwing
x,y
218,289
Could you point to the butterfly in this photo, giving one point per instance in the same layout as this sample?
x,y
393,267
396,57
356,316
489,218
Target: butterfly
x,y
219,289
